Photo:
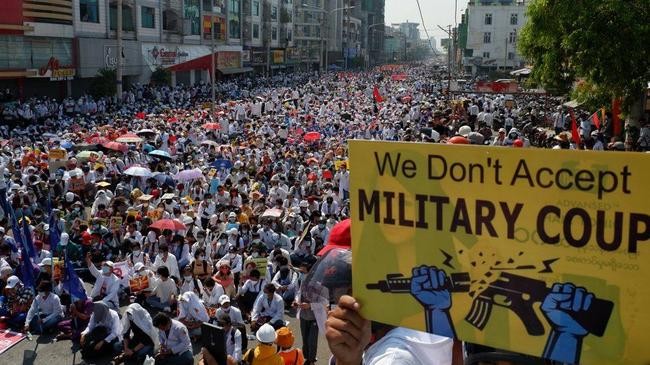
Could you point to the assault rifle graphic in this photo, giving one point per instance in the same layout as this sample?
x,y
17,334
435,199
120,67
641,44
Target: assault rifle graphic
x,y
512,291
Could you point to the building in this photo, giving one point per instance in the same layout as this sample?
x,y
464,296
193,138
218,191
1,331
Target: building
x,y
491,35
309,34
410,30
394,45
37,49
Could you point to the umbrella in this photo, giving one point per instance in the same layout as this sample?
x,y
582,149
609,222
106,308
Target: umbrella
x,y
208,142
272,213
211,126
146,131
50,136
138,171
160,154
116,146
67,145
96,140
129,138
86,155
221,164
163,178
171,224
311,136
187,175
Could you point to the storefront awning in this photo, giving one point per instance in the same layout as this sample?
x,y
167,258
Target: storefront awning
x,y
200,63
237,70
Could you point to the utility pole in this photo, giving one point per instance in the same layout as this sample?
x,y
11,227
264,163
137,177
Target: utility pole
x,y
118,66
505,56
346,29
449,64
213,71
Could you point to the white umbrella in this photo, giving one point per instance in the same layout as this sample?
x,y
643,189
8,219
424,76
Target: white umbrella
x,y
138,171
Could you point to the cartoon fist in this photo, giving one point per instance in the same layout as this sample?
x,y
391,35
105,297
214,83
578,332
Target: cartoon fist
x,y
428,286
562,303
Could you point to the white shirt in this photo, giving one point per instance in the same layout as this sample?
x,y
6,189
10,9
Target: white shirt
x,y
177,339
264,308
170,263
49,306
116,327
234,314
233,343
211,299
409,347
110,285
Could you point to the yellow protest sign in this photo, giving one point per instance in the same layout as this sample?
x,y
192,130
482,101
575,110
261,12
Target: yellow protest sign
x,y
530,250
57,154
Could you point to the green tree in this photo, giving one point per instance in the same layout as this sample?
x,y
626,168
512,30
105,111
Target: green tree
x,y
103,84
161,76
604,43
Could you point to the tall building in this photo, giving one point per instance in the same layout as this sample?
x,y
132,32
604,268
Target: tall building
x,y
58,46
491,35
309,21
410,30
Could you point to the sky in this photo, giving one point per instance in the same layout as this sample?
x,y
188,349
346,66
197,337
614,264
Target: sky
x,y
435,12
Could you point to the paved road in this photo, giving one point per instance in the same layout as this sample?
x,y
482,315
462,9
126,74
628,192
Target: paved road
x,y
44,351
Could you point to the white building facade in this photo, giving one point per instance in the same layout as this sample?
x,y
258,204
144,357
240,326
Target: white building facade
x,y
493,29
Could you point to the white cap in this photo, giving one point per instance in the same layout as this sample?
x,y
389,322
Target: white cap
x,y
65,238
2,230
266,334
224,299
108,263
232,231
138,266
464,130
46,262
232,215
12,281
69,197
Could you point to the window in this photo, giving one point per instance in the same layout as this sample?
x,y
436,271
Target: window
x,y
274,33
487,37
193,16
127,17
234,21
488,19
170,21
256,31
89,11
514,19
147,17
486,54
512,38
511,55
306,31
256,8
289,35
274,12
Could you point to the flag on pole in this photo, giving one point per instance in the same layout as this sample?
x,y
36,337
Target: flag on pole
x,y
28,244
574,128
595,120
55,235
26,265
616,117
71,282
376,95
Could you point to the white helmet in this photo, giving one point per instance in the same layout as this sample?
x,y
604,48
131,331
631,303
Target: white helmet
x,y
266,334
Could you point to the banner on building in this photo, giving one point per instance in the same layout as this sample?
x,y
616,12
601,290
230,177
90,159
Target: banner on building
x,y
530,250
228,59
278,56
246,55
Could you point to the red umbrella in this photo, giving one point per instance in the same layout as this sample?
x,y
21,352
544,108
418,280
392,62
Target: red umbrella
x,y
327,174
311,136
129,138
116,146
458,140
211,126
96,139
171,224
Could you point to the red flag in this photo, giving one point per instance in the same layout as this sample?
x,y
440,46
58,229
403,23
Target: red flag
x,y
616,117
594,119
574,128
139,115
376,95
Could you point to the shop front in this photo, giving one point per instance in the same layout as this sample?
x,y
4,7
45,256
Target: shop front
x,y
41,66
227,62
161,55
97,54
277,60
258,60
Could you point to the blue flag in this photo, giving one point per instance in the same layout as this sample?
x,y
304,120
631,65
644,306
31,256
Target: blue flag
x,y
28,244
18,235
71,282
55,235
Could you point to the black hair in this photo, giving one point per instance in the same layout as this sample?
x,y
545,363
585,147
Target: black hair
x,y
255,274
161,319
270,288
163,271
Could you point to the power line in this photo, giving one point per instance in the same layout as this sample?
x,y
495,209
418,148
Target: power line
x,y
435,53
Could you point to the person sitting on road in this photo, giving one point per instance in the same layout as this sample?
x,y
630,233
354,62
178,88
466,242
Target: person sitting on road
x,y
175,343
268,308
164,294
46,311
264,353
192,313
285,340
103,333
140,336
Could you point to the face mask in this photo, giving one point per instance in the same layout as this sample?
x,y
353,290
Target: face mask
x,y
226,310
188,277
42,293
106,270
255,254
136,252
